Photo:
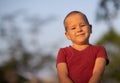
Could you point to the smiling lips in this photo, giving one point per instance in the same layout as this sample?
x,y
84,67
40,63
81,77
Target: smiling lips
x,y
81,34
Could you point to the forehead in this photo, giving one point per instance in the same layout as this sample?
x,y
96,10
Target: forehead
x,y
75,18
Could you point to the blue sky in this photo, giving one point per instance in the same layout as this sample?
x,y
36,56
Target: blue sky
x,y
45,8
59,8
54,32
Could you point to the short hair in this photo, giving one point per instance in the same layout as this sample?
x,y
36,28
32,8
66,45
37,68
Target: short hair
x,y
75,12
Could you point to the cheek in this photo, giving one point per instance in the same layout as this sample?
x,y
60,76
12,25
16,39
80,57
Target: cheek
x,y
70,35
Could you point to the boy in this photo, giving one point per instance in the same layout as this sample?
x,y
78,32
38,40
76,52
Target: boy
x,y
81,62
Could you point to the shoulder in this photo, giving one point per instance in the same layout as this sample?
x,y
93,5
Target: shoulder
x,y
101,52
97,47
62,53
63,49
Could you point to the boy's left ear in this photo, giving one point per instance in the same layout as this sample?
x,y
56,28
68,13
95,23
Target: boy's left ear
x,y
90,28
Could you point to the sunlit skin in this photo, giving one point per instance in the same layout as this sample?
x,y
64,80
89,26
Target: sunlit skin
x,y
77,30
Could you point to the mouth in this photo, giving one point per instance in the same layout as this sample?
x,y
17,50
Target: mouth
x,y
81,34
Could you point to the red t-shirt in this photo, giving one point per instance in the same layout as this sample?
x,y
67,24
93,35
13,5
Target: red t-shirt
x,y
81,63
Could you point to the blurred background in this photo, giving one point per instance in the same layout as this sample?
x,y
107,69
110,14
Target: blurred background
x,y
32,31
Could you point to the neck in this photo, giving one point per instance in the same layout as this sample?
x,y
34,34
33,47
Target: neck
x,y
80,47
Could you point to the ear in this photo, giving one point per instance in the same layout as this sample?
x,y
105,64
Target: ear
x,y
67,35
90,28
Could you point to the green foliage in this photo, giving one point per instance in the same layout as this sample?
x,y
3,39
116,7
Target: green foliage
x,y
110,36
107,11
11,64
8,71
109,40
17,47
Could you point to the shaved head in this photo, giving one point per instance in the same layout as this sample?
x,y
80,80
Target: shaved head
x,y
73,13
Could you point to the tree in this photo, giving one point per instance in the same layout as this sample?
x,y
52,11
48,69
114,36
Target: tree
x,y
15,44
107,11
111,40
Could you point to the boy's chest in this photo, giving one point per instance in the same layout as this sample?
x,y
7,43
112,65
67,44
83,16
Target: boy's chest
x,y
81,59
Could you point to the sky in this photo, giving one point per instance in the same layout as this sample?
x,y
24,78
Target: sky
x,y
54,31
45,8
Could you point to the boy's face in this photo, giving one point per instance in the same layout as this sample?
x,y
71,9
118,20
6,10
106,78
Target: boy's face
x,y
78,30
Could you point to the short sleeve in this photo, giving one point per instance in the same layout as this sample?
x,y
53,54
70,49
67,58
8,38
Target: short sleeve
x,y
60,56
102,53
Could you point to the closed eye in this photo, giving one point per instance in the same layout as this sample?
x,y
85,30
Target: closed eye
x,y
73,28
82,25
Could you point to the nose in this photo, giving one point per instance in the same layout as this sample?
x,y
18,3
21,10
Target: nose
x,y
79,29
